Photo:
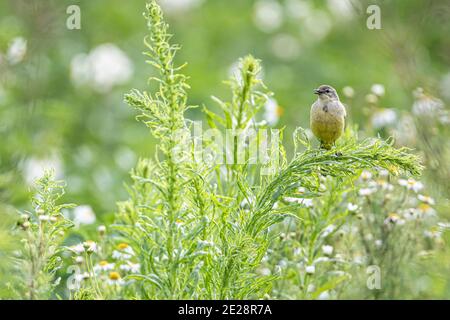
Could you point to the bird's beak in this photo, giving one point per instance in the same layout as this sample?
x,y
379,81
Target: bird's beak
x,y
317,91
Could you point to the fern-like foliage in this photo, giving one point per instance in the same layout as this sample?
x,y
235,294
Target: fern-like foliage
x,y
201,229
43,231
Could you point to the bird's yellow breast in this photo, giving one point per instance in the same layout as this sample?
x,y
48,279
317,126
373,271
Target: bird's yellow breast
x,y
327,121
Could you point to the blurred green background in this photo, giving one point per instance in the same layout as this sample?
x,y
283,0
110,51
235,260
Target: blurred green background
x,y
61,90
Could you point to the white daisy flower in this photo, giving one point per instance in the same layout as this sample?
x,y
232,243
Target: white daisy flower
x,y
425,105
365,192
394,218
328,230
426,210
310,269
104,266
426,199
384,185
324,296
272,112
366,175
79,259
378,89
304,201
124,252
131,267
103,68
327,250
115,278
90,246
371,98
352,207
348,92
17,50
411,184
383,118
433,233
101,229
84,215
265,272
78,249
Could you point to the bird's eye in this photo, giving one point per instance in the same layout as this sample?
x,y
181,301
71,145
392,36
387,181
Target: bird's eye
x,y
328,90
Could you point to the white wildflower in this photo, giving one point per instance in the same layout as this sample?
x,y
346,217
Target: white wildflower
x,y
378,89
268,15
78,249
16,50
425,105
327,250
426,210
123,252
411,184
84,215
371,98
90,246
115,279
383,118
310,269
103,68
352,207
265,272
366,175
131,267
348,92
328,230
272,112
103,266
365,192
79,259
101,229
304,201
324,296
427,199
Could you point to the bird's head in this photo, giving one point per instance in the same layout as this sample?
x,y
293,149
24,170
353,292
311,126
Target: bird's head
x,y
326,92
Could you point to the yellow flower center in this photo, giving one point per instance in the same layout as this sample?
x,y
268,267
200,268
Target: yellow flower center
x,y
122,246
424,207
103,263
393,216
279,111
114,275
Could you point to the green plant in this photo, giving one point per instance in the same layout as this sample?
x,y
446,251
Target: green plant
x,y
42,231
200,230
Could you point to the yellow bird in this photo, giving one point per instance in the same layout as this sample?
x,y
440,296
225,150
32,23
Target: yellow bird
x,y
327,118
